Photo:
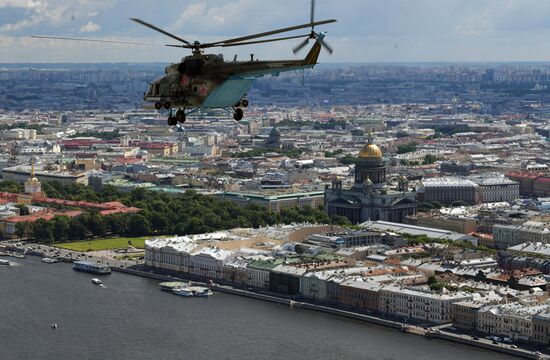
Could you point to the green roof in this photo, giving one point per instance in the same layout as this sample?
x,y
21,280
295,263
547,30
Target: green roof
x,y
274,196
270,264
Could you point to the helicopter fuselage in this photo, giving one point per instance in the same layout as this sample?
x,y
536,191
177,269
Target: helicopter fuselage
x,y
207,81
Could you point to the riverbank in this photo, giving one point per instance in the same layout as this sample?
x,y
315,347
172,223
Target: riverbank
x,y
129,268
411,329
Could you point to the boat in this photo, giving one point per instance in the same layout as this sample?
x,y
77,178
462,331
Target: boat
x,y
97,281
171,285
88,266
183,292
53,326
191,291
4,262
201,291
48,260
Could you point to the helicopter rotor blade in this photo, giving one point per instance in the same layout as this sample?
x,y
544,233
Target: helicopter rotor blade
x,y
300,46
179,46
267,33
326,46
151,26
312,13
89,40
264,41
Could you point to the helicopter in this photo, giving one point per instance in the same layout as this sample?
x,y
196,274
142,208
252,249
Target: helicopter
x,y
207,81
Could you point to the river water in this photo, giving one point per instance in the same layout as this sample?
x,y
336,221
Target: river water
x,y
130,318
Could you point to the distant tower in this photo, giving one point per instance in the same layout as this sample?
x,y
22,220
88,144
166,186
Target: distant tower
x,y
454,102
32,185
274,139
403,183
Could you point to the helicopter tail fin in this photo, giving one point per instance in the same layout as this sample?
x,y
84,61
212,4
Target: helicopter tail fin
x,y
313,54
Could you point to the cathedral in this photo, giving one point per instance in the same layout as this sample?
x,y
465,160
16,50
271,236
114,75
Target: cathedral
x,y
370,198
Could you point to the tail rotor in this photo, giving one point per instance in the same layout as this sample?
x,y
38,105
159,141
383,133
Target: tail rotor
x,y
313,35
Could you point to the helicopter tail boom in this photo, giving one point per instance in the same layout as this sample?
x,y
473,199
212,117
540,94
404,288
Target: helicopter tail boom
x,y
313,55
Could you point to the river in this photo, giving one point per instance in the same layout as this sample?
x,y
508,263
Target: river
x,y
130,318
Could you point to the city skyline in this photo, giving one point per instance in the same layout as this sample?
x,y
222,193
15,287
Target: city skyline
x,y
367,31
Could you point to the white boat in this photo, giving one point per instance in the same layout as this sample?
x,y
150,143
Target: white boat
x,y
171,285
47,260
4,262
186,292
97,281
91,267
202,292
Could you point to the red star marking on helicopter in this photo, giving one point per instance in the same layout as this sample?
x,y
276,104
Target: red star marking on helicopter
x,y
185,80
203,90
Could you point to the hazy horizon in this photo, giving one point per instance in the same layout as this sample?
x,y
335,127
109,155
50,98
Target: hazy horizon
x,y
367,31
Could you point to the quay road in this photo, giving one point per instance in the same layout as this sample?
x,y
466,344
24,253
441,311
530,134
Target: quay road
x,y
65,255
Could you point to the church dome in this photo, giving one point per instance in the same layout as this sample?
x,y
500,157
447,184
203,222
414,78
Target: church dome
x,y
275,132
370,151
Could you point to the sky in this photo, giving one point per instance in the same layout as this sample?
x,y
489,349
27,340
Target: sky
x,y
366,31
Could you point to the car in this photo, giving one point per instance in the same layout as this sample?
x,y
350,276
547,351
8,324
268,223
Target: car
x,y
507,340
496,338
489,337
475,338
495,342
514,346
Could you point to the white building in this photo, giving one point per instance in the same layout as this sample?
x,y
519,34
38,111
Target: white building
x,y
511,235
512,320
419,305
496,188
208,262
169,253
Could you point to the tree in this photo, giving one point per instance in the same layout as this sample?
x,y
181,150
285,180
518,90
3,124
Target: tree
x,y
96,225
436,204
10,186
42,231
406,148
23,209
347,159
459,203
116,224
180,229
77,230
61,228
159,222
138,225
22,229
430,159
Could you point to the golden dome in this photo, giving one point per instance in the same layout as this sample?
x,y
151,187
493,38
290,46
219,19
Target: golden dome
x,y
370,151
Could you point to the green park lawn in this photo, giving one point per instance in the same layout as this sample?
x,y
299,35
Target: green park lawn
x,y
103,244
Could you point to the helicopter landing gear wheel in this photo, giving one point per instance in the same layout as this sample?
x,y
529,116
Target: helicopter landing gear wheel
x,y
238,114
167,105
158,105
172,120
180,116
244,103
